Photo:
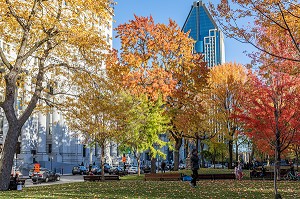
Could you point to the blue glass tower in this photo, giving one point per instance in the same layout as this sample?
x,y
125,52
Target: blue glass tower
x,y
203,29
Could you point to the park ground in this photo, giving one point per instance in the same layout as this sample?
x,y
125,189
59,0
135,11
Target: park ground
x,y
136,187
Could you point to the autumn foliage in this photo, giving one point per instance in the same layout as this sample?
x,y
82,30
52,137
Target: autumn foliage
x,y
269,112
280,15
154,58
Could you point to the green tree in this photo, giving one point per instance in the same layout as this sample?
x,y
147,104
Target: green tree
x,y
145,121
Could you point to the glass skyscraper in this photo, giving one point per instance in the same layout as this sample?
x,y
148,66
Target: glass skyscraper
x,y
203,29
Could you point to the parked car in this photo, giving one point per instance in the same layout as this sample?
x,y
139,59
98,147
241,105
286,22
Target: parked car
x,y
106,168
146,169
117,171
31,171
95,169
133,170
45,176
218,166
79,170
182,166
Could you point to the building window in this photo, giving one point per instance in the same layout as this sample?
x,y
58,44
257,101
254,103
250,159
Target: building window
x,y
96,150
84,151
50,148
50,126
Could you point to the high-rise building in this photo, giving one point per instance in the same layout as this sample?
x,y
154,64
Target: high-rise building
x,y
203,29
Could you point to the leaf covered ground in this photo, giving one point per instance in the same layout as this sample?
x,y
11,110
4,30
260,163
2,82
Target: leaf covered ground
x,y
159,189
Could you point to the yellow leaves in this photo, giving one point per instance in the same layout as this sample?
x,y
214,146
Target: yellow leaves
x,y
227,74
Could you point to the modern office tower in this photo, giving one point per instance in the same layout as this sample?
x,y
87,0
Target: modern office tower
x,y
203,29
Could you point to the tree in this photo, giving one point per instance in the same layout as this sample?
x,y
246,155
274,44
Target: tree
x,y
268,112
280,15
216,149
157,59
197,121
94,113
226,82
48,40
144,122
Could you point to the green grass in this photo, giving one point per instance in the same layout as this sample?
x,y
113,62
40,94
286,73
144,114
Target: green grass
x,y
159,189
133,186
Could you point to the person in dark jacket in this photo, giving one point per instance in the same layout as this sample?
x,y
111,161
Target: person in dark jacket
x,y
194,167
163,167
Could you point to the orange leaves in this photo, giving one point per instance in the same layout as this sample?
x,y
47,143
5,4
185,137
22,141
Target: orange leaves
x,y
157,57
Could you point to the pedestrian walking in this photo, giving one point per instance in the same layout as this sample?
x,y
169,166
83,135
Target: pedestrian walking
x,y
194,167
238,171
163,167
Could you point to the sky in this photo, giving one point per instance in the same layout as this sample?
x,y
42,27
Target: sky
x,y
177,10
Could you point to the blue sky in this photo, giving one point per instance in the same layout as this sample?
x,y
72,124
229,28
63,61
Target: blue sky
x,y
177,10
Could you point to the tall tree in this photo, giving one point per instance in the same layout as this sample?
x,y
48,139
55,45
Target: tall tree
x,y
226,81
47,40
197,120
269,114
94,113
157,59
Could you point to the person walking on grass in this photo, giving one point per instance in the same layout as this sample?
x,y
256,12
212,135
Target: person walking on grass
x,y
194,167
163,167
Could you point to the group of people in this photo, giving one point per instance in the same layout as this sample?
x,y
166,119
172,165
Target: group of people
x,y
195,166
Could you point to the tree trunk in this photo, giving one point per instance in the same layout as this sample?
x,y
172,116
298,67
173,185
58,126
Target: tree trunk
x,y
153,164
236,151
202,155
102,160
214,155
186,146
230,147
137,157
7,157
297,156
277,151
178,143
139,166
14,124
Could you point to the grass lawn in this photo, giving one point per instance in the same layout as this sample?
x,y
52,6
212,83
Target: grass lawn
x,y
158,189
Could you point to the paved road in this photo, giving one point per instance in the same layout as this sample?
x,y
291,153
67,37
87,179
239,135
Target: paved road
x,y
63,179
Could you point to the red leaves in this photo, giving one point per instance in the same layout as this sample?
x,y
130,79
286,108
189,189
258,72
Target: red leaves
x,y
268,107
